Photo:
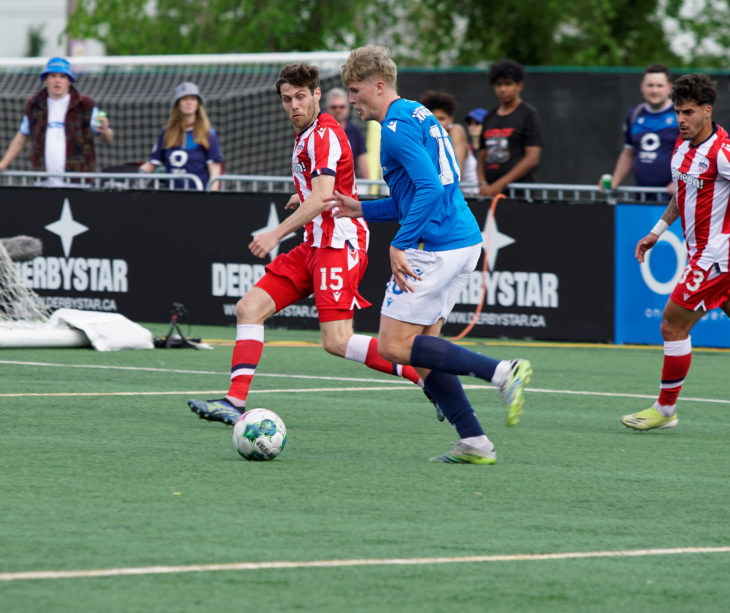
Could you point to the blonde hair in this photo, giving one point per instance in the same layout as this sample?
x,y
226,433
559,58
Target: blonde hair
x,y
175,128
368,62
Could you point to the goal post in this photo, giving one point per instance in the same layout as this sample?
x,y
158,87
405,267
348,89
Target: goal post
x,y
136,93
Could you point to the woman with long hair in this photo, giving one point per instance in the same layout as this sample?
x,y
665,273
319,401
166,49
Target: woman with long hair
x,y
188,143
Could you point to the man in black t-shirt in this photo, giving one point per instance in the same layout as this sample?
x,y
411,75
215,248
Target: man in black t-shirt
x,y
511,138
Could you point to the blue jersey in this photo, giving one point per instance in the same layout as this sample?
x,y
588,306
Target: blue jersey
x,y
651,134
189,157
421,171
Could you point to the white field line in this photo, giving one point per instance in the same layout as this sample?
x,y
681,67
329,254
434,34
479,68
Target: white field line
x,y
390,383
190,372
197,568
319,390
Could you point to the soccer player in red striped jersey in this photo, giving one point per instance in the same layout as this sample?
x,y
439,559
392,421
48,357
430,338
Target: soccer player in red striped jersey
x,y
701,175
329,263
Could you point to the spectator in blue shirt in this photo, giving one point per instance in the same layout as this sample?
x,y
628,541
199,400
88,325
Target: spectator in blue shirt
x,y
650,131
188,144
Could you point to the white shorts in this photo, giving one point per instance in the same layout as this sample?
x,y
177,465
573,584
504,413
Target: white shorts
x,y
443,275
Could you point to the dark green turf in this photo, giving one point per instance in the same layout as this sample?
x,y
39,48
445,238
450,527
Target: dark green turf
x,y
127,481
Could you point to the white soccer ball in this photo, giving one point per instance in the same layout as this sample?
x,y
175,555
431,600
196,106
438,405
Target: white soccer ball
x,y
259,434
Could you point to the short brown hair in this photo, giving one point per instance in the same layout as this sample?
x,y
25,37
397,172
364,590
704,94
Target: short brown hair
x,y
371,61
655,68
697,88
299,75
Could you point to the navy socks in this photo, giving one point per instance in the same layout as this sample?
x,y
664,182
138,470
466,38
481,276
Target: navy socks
x,y
448,393
439,354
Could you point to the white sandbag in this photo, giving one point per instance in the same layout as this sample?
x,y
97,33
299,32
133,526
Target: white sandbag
x,y
106,331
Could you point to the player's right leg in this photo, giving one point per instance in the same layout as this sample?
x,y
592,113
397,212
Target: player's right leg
x,y
251,312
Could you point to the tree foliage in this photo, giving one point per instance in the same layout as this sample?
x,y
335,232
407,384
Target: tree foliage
x,y
133,27
421,32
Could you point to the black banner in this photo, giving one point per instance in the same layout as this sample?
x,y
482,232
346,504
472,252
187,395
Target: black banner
x,y
551,274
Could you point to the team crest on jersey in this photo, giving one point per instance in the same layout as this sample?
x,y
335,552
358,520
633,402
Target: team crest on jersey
x,y
299,148
702,164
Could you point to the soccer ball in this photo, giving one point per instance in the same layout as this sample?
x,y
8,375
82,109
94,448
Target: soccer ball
x,y
259,434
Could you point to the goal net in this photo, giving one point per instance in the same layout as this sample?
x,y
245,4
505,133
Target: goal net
x,y
24,320
136,93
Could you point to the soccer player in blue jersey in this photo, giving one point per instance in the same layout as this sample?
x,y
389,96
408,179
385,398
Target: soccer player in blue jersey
x,y
432,255
650,132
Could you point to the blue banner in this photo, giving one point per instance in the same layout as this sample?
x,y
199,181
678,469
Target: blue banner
x,y
642,290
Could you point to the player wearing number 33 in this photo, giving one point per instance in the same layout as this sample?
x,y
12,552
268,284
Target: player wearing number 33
x,y
329,263
701,175
432,255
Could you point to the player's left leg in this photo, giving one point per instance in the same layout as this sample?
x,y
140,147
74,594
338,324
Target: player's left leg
x,y
338,338
443,276
337,274
677,322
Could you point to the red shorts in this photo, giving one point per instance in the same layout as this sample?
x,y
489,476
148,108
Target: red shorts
x,y
331,274
703,290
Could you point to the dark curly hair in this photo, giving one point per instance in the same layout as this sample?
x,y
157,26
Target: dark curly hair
x,y
438,101
697,88
506,69
299,75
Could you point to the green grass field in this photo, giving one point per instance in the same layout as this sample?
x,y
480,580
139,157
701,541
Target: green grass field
x,y
136,505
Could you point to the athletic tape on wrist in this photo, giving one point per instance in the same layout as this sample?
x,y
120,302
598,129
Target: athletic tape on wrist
x,y
660,227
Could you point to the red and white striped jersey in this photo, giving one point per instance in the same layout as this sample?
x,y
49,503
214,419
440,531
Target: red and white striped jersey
x,y
701,178
323,148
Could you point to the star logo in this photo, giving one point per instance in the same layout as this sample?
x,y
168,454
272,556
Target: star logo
x,y
66,228
271,224
493,240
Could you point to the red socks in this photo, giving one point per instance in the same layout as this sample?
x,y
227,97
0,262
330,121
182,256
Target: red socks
x,y
677,359
246,355
364,349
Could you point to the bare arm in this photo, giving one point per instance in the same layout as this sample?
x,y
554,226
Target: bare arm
x,y
105,132
670,215
624,166
147,167
214,170
523,167
14,148
362,166
313,205
481,159
461,145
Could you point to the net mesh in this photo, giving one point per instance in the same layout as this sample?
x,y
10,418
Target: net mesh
x,y
19,305
240,99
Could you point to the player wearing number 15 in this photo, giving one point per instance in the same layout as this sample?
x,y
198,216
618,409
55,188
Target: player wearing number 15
x,y
329,263
432,255
701,174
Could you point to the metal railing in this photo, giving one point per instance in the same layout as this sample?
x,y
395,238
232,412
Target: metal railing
x,y
271,183
98,180
532,192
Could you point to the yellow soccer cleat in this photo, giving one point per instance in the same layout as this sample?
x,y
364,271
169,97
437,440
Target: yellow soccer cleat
x,y
649,419
512,389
